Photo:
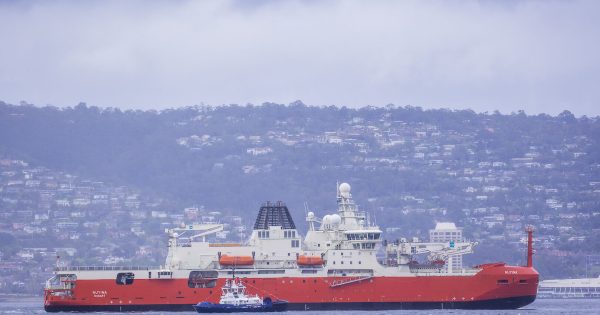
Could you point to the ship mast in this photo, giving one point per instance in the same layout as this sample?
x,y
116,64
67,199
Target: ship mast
x,y
529,230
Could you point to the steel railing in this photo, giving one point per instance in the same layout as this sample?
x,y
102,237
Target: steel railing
x,y
105,268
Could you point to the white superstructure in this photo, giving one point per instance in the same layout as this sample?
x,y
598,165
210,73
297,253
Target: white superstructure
x,y
346,240
234,293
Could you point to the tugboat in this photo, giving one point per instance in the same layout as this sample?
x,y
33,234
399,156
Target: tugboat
x,y
235,300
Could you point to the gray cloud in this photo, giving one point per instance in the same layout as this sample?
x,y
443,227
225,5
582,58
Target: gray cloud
x,y
540,56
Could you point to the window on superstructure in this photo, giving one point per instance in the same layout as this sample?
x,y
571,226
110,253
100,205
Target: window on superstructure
x,y
263,234
367,245
125,278
295,243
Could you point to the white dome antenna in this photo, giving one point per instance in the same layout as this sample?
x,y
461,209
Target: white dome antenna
x,y
335,219
344,189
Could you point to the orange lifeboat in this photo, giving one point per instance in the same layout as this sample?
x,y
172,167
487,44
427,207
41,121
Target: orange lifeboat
x,y
309,260
226,260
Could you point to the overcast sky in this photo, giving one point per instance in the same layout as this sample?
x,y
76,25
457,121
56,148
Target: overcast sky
x,y
539,56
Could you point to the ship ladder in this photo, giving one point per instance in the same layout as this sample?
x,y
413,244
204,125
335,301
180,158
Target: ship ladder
x,y
339,283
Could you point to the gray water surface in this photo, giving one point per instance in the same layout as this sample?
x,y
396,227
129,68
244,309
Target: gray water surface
x,y
32,305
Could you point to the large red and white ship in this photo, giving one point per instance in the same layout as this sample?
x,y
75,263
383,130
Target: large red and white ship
x,y
335,267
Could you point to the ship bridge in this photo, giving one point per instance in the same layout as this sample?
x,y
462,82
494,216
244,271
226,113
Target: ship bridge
x,y
348,229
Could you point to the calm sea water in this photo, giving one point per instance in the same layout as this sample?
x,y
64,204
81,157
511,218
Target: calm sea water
x,y
19,306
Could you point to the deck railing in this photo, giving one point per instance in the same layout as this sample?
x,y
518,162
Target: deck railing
x,y
105,268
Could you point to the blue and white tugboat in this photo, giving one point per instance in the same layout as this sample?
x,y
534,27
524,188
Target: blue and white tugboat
x,y
234,299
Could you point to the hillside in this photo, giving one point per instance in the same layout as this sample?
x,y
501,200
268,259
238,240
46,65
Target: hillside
x,y
409,167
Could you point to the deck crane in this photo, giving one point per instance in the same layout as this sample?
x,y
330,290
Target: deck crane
x,y
403,251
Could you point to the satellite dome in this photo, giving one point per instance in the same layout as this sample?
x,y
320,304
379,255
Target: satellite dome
x,y
335,219
310,215
345,190
327,219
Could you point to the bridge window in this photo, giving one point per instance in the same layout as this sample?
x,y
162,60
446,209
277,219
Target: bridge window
x,y
125,278
368,245
263,234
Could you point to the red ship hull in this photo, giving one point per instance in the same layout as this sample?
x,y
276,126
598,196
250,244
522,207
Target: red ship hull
x,y
494,287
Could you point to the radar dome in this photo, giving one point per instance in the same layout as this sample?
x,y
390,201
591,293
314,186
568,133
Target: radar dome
x,y
327,219
311,215
335,219
345,190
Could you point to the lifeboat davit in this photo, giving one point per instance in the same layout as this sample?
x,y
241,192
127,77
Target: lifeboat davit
x,y
226,260
309,260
